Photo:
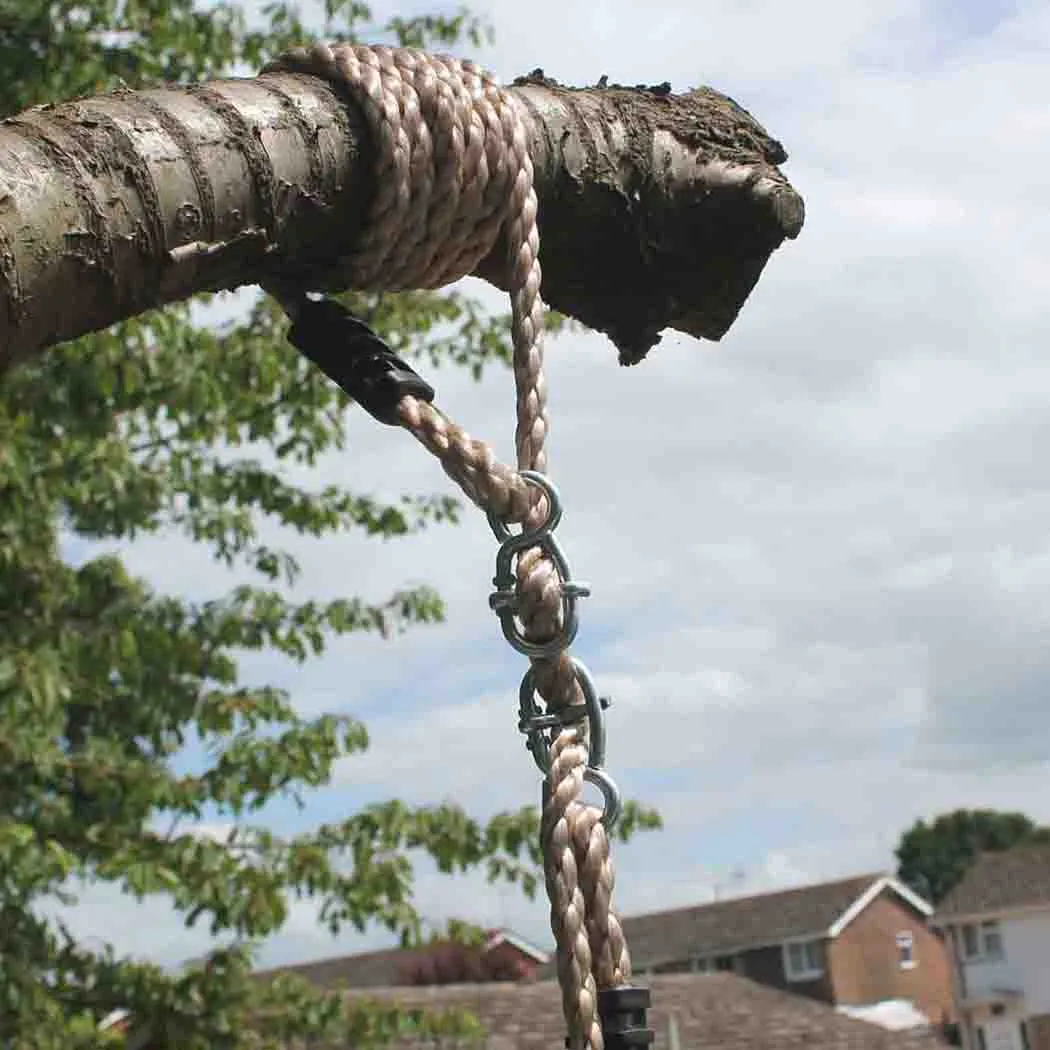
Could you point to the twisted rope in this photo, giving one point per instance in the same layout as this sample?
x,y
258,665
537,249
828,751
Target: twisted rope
x,y
454,173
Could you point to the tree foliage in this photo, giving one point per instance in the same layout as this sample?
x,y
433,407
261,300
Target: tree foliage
x,y
932,858
165,425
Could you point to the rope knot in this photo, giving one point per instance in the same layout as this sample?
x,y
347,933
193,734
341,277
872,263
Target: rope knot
x,y
453,164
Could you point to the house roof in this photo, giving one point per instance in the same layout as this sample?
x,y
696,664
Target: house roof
x,y
1001,881
737,925
391,966
498,937
718,1010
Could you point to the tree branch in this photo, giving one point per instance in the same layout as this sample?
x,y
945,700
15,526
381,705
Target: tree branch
x,y
656,210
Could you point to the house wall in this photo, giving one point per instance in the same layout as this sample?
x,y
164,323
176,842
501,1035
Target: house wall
x,y
505,962
1039,1032
766,966
967,1038
1025,964
865,963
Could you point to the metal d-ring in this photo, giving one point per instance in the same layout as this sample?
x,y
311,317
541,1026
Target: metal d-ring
x,y
529,537
610,793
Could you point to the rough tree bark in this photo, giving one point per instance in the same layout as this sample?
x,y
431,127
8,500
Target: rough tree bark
x,y
656,210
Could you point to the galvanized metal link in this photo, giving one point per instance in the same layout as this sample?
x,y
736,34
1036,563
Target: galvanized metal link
x,y
539,726
504,600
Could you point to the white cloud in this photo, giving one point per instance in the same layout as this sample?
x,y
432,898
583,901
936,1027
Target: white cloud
x,y
818,549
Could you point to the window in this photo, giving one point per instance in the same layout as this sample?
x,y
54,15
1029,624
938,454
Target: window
x,y
993,940
906,950
982,1042
982,941
971,942
714,964
803,960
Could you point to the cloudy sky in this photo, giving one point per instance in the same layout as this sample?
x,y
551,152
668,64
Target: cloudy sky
x,y
818,550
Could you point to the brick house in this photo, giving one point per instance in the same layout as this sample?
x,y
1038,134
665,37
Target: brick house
x,y
853,942
503,957
997,926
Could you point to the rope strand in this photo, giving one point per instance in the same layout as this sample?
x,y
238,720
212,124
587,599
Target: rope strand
x,y
453,172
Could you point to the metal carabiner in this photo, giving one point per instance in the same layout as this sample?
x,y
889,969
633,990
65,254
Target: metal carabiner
x,y
533,723
504,600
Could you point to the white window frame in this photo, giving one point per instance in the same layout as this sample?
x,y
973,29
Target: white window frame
x,y
906,950
810,973
981,931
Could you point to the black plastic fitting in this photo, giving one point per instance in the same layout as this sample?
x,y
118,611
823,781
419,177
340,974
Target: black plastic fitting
x,y
355,358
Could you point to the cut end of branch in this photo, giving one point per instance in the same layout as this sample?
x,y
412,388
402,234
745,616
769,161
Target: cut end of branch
x,y
657,210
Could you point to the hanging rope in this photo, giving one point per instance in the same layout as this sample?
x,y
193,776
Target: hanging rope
x,y
454,175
